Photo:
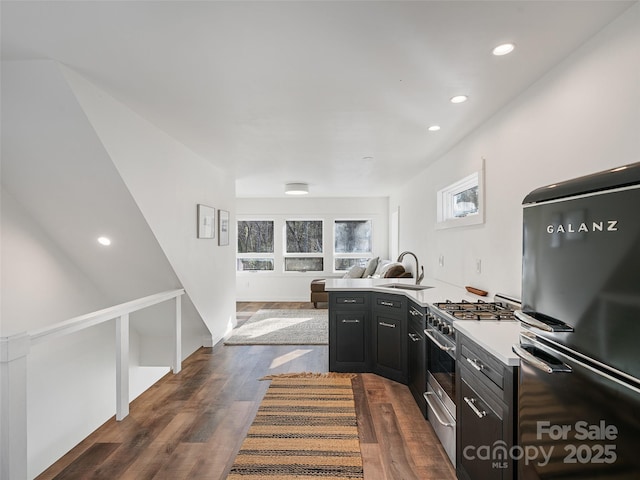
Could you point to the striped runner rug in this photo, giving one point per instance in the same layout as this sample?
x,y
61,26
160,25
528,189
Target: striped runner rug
x,y
305,428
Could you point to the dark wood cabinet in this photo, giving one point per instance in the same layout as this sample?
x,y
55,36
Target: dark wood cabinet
x,y
389,348
417,351
486,406
367,333
349,332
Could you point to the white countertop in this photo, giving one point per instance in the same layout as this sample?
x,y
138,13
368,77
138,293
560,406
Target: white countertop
x,y
496,337
439,291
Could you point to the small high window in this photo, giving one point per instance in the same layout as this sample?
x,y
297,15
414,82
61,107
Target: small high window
x,y
461,202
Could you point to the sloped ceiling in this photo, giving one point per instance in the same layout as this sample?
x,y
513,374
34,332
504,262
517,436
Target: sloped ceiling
x,y
56,167
337,94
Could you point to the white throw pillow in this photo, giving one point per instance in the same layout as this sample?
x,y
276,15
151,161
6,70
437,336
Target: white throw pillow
x,y
354,272
371,267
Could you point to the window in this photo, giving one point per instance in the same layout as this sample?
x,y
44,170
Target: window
x,y
303,246
461,203
352,243
255,245
280,244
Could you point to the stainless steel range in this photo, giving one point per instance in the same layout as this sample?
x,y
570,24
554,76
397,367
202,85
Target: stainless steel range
x,y
441,359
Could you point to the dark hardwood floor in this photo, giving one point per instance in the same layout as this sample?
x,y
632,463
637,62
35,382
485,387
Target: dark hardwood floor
x,y
191,425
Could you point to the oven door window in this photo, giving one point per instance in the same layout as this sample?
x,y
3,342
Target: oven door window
x,y
442,367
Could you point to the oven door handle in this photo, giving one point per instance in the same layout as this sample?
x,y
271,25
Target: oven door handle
x,y
435,340
528,357
435,411
552,326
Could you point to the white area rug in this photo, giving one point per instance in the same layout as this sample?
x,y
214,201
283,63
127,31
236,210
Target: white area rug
x,y
283,327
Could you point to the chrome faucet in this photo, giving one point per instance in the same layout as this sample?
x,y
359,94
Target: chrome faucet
x,y
418,267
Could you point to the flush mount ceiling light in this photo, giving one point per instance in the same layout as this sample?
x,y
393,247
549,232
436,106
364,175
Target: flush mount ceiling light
x,y
106,241
503,49
434,128
458,99
296,189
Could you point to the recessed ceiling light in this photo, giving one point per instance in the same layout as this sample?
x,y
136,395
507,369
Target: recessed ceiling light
x,y
459,99
434,128
296,189
503,49
106,241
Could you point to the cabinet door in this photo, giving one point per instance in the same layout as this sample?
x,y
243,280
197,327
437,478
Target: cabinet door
x,y
481,429
389,347
417,351
418,367
348,341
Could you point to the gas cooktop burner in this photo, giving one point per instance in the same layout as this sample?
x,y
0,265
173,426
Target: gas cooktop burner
x,y
477,311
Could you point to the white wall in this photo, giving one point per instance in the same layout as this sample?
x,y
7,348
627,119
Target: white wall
x,y
282,286
168,181
71,380
60,190
581,117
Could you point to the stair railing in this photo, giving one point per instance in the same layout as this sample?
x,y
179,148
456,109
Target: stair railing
x,y
14,350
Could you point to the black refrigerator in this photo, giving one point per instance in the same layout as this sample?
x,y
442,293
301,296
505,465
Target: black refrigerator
x,y
579,381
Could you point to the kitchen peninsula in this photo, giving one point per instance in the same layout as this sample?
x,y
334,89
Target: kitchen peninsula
x,y
354,296
451,347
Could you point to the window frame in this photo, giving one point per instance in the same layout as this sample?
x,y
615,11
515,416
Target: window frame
x,y
289,255
444,202
256,255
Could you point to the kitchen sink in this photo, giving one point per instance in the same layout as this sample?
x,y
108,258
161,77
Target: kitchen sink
x,y
406,286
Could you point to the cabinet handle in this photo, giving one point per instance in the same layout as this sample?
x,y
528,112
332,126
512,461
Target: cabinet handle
x,y
475,364
385,324
416,313
472,404
386,304
349,300
348,320
414,337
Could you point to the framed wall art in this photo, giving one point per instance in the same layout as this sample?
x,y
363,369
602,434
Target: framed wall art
x,y
206,221
223,227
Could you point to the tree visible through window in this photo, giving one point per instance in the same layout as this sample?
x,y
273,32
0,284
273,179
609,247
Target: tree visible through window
x,y
303,238
352,243
466,202
255,239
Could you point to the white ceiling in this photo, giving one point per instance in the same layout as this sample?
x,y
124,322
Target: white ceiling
x,y
308,91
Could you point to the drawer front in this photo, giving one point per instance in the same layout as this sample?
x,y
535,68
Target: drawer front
x,y
389,302
482,363
348,298
482,424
